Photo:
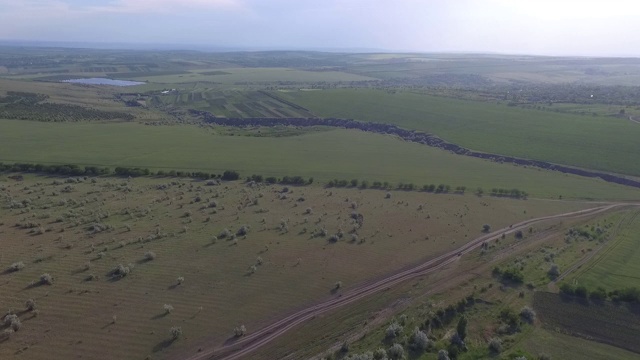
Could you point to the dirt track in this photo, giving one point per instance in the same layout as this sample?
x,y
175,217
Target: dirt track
x,y
253,341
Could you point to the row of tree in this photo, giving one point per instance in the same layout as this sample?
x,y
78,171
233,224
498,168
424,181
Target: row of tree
x,y
628,294
286,180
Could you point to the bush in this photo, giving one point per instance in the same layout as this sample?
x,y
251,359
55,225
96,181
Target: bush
x,y
16,266
394,330
225,234
230,175
380,354
519,235
553,272
175,332
13,322
167,308
121,271
443,355
420,340
395,352
581,292
180,280
528,314
30,305
149,255
486,228
240,331
46,279
244,229
495,345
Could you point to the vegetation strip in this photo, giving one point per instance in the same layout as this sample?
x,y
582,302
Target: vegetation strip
x,y
409,135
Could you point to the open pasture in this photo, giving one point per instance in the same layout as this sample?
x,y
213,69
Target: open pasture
x,y
284,248
601,143
326,155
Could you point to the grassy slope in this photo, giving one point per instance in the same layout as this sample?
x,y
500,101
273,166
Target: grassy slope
x,y
619,264
590,142
326,155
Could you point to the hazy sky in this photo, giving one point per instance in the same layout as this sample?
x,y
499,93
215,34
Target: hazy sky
x,y
550,27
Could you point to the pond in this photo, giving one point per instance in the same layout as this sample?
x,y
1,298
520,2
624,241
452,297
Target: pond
x,y
103,81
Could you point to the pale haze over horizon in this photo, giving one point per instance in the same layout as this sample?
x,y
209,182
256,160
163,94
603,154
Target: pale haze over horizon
x,y
538,27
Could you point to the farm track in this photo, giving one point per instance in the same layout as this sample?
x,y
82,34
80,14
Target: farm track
x,y
413,136
252,342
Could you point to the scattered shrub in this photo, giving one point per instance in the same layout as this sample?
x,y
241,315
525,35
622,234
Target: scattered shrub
x,y
395,352
495,345
419,340
393,330
553,272
528,314
180,280
240,331
244,229
16,266
46,279
30,305
175,332
167,308
149,255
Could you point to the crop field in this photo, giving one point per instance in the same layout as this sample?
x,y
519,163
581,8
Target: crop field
x,y
592,142
327,155
562,346
619,265
618,325
232,104
79,230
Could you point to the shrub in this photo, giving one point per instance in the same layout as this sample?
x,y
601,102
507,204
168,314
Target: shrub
x,y
420,340
443,355
12,321
380,354
495,345
553,272
518,235
180,280
175,332
149,255
244,229
167,308
567,289
581,291
334,238
121,271
528,314
338,285
46,279
30,305
225,234
308,210
240,331
394,330
16,266
486,228
396,352
387,195
598,294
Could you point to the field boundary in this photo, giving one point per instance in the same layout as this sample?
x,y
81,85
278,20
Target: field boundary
x,y
413,136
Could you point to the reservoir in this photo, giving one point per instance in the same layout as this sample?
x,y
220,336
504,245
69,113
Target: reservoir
x,y
103,81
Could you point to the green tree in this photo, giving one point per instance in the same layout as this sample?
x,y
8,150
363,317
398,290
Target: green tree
x,y
462,327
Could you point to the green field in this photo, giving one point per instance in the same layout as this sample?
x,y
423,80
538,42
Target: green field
x,y
232,76
600,143
619,264
342,154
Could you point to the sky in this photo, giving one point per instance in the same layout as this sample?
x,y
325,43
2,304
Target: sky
x,y
538,27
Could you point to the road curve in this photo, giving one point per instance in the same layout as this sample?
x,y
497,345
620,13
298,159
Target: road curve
x,y
253,341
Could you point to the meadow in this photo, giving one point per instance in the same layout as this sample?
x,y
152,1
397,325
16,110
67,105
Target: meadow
x,y
601,143
325,155
260,250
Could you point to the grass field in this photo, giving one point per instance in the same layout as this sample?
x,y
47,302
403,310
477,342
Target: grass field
x,y
57,226
619,264
342,154
600,143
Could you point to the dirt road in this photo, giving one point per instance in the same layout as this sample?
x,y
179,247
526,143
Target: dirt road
x,y
253,341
